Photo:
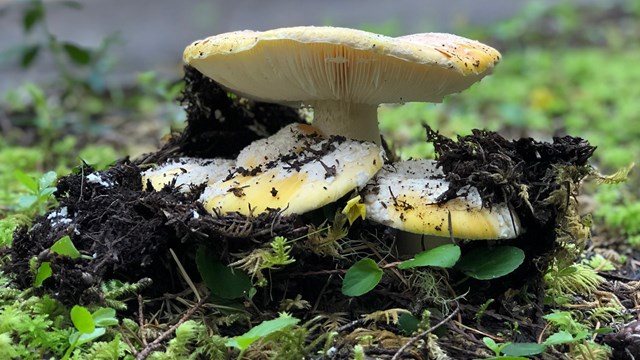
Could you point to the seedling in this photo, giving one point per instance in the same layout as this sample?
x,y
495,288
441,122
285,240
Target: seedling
x,y
88,326
266,328
39,191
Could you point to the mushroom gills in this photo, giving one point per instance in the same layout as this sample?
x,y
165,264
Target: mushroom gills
x,y
344,74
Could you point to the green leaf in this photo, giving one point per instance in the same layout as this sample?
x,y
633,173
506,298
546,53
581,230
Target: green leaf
x,y
82,319
493,346
523,349
561,319
27,201
47,179
44,272
77,54
105,317
408,323
265,328
444,256
32,15
489,263
561,337
65,247
78,338
605,330
28,54
26,180
46,192
223,281
361,278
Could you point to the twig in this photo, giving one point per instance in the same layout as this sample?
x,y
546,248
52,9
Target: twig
x,y
423,334
156,343
185,276
141,320
494,337
126,339
351,325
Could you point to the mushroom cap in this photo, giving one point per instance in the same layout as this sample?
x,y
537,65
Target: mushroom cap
x,y
187,171
300,180
283,142
302,65
403,196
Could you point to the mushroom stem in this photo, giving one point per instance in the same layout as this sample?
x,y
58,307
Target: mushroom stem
x,y
354,121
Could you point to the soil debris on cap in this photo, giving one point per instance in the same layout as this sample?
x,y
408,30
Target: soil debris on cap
x,y
502,168
307,170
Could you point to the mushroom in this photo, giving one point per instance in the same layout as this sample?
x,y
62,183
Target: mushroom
x,y
289,141
404,196
344,74
187,171
296,170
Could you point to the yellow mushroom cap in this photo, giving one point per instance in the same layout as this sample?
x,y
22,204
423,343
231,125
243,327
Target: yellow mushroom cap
x,y
306,63
290,141
403,196
344,74
301,180
187,171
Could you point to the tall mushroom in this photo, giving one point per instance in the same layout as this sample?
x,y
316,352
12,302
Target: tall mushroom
x,y
344,74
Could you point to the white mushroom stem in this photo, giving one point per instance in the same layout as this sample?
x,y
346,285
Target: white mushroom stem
x,y
354,121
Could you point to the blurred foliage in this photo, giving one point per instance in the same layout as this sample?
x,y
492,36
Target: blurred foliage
x,y
566,70
81,115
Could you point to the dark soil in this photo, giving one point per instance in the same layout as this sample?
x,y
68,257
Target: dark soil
x,y
128,233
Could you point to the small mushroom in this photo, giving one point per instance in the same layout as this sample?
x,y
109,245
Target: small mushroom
x,y
344,74
187,171
404,196
296,170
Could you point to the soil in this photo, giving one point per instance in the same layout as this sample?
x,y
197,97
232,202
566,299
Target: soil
x,y
129,234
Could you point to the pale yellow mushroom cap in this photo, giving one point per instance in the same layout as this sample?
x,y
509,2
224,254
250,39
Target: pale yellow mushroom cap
x,y
187,171
403,196
304,64
344,74
300,180
290,141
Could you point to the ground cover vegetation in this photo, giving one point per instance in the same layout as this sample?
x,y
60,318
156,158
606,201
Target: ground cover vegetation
x,y
94,267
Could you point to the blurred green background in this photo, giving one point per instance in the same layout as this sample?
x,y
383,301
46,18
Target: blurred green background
x,y
80,82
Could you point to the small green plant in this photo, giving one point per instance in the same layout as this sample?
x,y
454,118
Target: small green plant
x,y
63,246
68,57
572,279
88,326
259,260
576,336
493,346
264,329
482,309
512,351
481,264
40,191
